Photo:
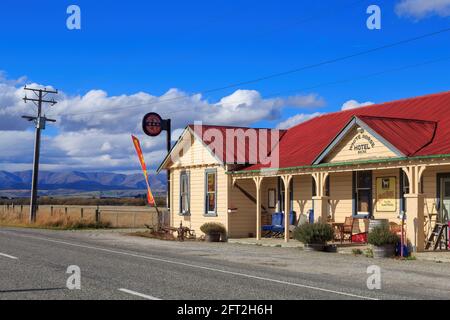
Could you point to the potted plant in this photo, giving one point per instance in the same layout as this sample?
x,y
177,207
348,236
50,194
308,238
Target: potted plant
x,y
315,236
383,242
213,231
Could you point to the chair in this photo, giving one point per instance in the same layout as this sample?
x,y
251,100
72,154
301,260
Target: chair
x,y
302,219
279,229
311,216
347,228
277,220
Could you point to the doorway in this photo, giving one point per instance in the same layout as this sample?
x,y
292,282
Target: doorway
x,y
443,216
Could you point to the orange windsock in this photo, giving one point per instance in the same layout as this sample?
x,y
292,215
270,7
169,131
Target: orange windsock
x,y
137,145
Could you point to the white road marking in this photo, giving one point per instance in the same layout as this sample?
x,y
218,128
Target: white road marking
x,y
8,256
202,267
138,294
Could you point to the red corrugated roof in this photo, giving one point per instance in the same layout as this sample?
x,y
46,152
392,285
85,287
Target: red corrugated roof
x,y
227,152
424,130
408,136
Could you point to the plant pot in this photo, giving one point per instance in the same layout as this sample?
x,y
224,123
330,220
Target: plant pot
x,y
212,237
384,251
314,247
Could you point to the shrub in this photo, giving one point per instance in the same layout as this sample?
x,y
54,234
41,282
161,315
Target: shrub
x,y
368,253
381,236
316,233
212,227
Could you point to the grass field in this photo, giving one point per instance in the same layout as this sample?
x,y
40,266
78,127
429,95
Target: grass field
x,y
114,216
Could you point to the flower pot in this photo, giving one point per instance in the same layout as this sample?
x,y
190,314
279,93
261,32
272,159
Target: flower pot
x,y
212,237
314,247
331,248
384,251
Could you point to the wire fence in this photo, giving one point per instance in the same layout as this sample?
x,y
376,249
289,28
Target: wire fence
x,y
116,216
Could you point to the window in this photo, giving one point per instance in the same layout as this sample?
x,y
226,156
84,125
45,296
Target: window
x,y
327,186
184,193
272,197
362,196
281,194
211,192
404,189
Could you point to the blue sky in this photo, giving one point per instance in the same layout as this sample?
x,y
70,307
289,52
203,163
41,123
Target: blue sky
x,y
146,46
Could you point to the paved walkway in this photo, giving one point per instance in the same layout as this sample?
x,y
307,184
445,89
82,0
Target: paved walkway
x,y
344,248
278,242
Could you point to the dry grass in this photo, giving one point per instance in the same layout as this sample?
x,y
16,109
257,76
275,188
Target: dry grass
x,y
58,223
61,216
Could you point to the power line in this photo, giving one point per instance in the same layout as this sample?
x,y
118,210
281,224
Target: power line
x,y
319,64
280,74
366,76
40,121
341,81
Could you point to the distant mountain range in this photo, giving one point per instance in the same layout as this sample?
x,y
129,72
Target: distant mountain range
x,y
61,183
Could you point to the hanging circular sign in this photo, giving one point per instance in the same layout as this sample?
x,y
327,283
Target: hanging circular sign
x,y
152,124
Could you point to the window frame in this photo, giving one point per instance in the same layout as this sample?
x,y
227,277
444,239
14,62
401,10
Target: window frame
x,y
404,189
281,196
272,198
355,194
185,175
207,212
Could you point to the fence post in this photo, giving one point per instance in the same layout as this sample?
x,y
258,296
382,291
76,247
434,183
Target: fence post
x,y
51,211
117,219
65,211
97,215
81,213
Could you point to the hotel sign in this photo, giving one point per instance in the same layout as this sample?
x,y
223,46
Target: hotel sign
x,y
386,200
362,143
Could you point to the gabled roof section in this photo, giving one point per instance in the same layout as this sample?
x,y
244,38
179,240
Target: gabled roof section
x,y
404,137
348,128
232,145
239,145
407,135
302,144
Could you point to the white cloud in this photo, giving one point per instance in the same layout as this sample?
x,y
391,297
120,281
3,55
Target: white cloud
x,y
304,101
297,119
93,130
353,104
419,9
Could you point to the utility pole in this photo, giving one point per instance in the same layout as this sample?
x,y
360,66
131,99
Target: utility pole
x,y
39,121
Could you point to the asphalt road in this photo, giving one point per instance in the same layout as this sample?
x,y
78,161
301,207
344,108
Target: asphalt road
x,y
33,265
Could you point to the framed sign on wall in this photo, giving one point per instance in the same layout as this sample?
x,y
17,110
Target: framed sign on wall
x,y
272,198
386,195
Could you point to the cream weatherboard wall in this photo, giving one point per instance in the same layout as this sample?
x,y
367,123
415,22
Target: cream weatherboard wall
x,y
302,194
340,201
391,215
197,217
358,146
195,159
429,187
242,221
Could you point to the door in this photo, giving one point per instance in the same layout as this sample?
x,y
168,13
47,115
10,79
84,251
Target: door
x,y
445,200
